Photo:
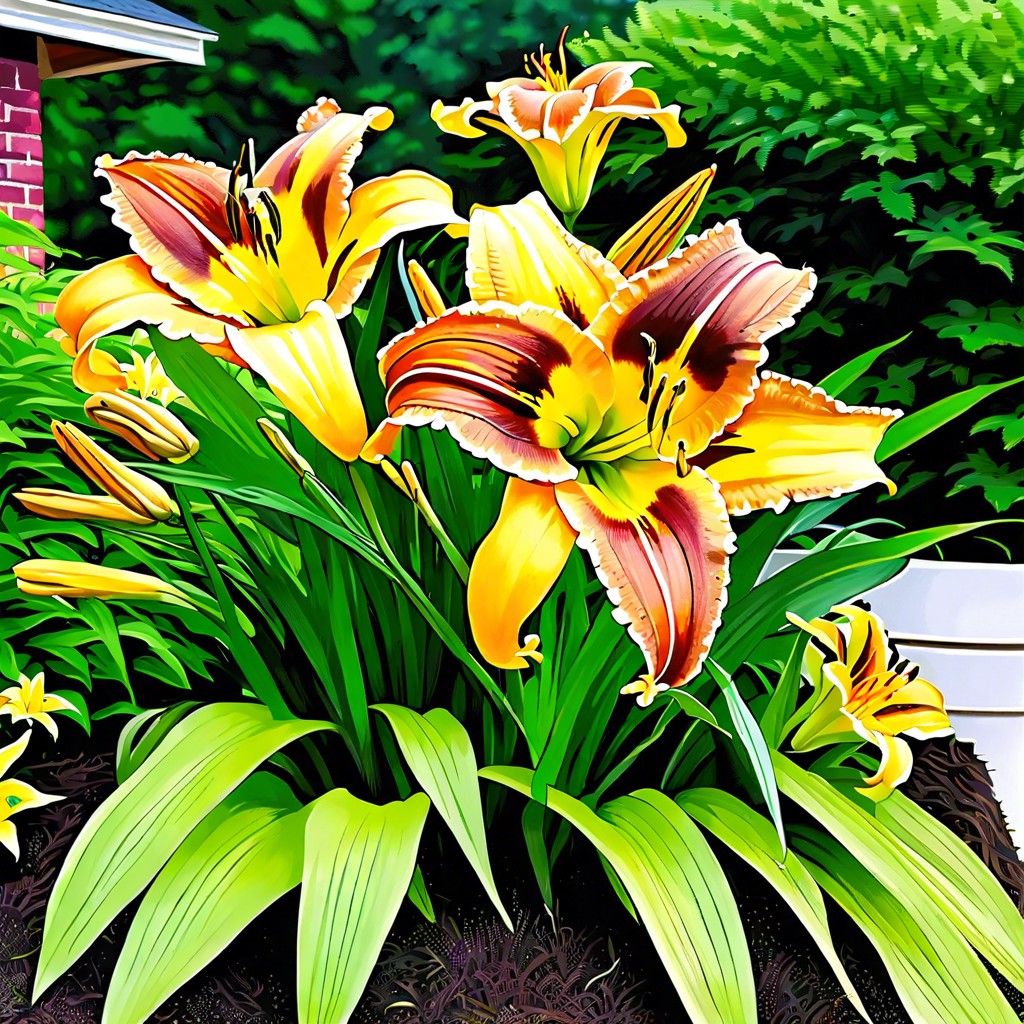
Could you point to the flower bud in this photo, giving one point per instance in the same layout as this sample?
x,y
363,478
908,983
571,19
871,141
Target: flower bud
x,y
143,495
54,577
54,504
149,428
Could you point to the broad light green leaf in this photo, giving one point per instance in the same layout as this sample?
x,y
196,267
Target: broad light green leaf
x,y
938,978
976,901
359,862
134,831
750,735
245,854
751,836
440,756
889,860
679,889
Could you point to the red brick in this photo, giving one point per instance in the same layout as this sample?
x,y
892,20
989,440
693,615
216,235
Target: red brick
x,y
22,98
18,120
23,146
30,216
34,196
29,174
28,75
12,193
8,74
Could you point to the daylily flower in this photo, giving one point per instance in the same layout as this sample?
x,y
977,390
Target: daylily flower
x,y
564,126
863,689
631,418
55,577
17,796
57,504
256,264
28,701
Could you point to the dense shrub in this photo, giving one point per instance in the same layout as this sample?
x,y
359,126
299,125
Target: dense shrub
x,y
882,144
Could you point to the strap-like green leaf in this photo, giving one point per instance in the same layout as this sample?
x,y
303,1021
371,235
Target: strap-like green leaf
x,y
749,733
975,900
849,373
679,889
893,864
359,862
752,837
244,855
440,756
938,978
134,832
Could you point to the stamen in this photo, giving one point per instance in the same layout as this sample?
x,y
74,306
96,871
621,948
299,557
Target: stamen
x,y
652,354
682,469
677,389
652,408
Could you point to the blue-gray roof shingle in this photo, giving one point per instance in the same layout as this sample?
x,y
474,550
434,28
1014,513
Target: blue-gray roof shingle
x,y
141,10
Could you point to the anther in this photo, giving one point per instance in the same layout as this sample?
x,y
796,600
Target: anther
x,y
652,408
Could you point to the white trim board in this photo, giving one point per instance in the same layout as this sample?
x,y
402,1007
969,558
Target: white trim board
x,y
105,30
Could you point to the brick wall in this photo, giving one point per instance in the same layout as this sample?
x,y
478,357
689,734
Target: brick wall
x,y
21,145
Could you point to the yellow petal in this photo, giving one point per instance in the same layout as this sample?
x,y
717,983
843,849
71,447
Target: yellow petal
x,y
53,577
895,767
55,504
458,120
140,493
307,365
9,838
429,298
11,753
116,295
660,231
16,796
521,253
795,443
380,210
513,569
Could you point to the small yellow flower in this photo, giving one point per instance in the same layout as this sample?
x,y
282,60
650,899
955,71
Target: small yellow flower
x,y
139,493
147,377
862,688
28,701
564,126
54,577
146,426
17,796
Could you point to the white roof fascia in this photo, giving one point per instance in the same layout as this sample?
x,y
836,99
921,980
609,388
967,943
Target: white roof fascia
x,y
105,30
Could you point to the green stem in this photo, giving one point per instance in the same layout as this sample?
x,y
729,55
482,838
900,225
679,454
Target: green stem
x,y
434,619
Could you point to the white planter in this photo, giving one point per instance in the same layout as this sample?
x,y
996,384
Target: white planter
x,y
963,623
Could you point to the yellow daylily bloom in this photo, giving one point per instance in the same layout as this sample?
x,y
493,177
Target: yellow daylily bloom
x,y
564,126
631,417
253,262
54,577
17,796
862,688
57,504
149,428
29,701
139,493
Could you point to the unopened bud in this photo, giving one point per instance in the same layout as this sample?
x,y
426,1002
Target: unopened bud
x,y
149,428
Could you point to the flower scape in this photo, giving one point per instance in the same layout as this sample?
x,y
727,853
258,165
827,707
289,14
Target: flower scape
x,y
371,620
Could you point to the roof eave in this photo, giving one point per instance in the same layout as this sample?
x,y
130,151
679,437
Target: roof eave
x,y
147,41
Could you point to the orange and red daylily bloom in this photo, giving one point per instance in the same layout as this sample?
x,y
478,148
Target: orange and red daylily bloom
x,y
862,688
564,126
256,264
632,419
